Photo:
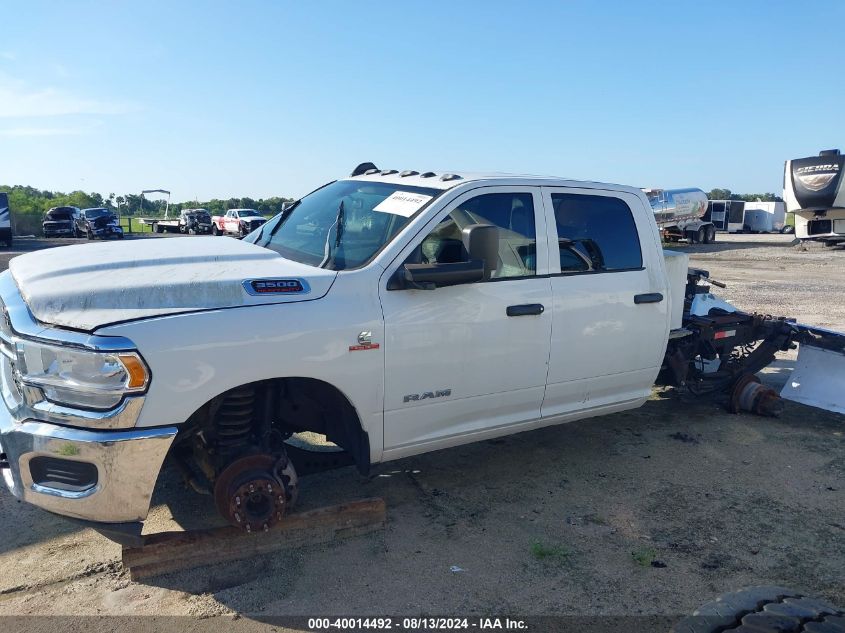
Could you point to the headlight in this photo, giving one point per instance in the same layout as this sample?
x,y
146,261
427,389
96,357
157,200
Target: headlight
x,y
77,377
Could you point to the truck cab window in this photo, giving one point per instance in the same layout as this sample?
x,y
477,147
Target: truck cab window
x,y
512,213
595,233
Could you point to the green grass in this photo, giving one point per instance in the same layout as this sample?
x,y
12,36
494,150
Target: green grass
x,y
137,227
644,556
541,551
68,450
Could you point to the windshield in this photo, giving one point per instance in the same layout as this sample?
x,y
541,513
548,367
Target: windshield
x,y
248,213
96,213
61,213
367,214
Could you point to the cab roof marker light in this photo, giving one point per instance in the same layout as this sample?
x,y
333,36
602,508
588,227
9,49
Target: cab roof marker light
x,y
428,174
361,168
389,172
446,177
408,172
370,172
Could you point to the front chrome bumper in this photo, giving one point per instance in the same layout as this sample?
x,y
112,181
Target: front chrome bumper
x,y
127,465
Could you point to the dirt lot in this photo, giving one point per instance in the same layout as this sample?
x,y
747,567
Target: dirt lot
x,y
653,511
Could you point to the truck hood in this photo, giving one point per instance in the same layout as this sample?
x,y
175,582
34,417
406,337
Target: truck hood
x,y
91,285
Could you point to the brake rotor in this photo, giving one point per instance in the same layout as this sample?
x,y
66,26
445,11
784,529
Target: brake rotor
x,y
748,394
254,492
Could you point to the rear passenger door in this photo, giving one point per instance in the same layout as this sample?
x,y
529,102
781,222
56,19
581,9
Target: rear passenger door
x,y
610,301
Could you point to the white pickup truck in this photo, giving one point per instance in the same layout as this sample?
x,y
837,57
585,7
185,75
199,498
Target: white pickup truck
x,y
394,313
237,222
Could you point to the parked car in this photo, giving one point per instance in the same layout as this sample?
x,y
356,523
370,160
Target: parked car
x,y
195,221
395,314
61,222
239,222
98,223
5,219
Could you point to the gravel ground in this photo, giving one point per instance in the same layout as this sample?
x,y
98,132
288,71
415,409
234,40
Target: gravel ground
x,y
649,512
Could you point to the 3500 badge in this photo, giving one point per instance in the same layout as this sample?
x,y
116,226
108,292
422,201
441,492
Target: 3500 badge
x,y
275,286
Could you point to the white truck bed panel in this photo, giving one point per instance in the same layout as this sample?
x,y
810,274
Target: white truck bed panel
x,y
676,271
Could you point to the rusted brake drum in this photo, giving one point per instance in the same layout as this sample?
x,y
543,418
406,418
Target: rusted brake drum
x,y
749,395
254,492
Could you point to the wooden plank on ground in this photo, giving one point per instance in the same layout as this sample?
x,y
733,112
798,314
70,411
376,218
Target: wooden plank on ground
x,y
167,552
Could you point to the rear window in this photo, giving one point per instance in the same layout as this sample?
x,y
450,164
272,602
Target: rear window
x,y
4,200
596,229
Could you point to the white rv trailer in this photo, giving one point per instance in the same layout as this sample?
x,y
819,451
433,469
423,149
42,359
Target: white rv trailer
x,y
814,191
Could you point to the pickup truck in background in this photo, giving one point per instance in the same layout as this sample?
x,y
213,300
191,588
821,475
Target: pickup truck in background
x,y
60,222
194,221
240,222
98,223
395,313
191,221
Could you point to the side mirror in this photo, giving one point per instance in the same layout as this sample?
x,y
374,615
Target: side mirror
x,y
481,241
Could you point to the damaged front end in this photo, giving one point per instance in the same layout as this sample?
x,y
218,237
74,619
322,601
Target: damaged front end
x,y
720,348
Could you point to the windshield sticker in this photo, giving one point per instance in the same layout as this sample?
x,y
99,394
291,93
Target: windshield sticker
x,y
402,203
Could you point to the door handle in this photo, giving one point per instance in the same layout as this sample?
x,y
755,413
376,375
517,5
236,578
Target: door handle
x,y
525,309
649,297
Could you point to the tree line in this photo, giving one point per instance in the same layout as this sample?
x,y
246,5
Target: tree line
x,y
28,205
727,194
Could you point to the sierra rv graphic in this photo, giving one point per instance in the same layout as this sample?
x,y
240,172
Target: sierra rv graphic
x,y
814,190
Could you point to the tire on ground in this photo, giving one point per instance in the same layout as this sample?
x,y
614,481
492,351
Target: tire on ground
x,y
764,609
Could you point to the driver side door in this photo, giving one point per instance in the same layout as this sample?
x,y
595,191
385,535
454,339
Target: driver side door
x,y
231,221
469,361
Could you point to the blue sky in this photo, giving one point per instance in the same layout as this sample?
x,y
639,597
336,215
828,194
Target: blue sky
x,y
274,98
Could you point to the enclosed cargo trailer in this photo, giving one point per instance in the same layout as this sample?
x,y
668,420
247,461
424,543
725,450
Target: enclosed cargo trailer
x,y
726,215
